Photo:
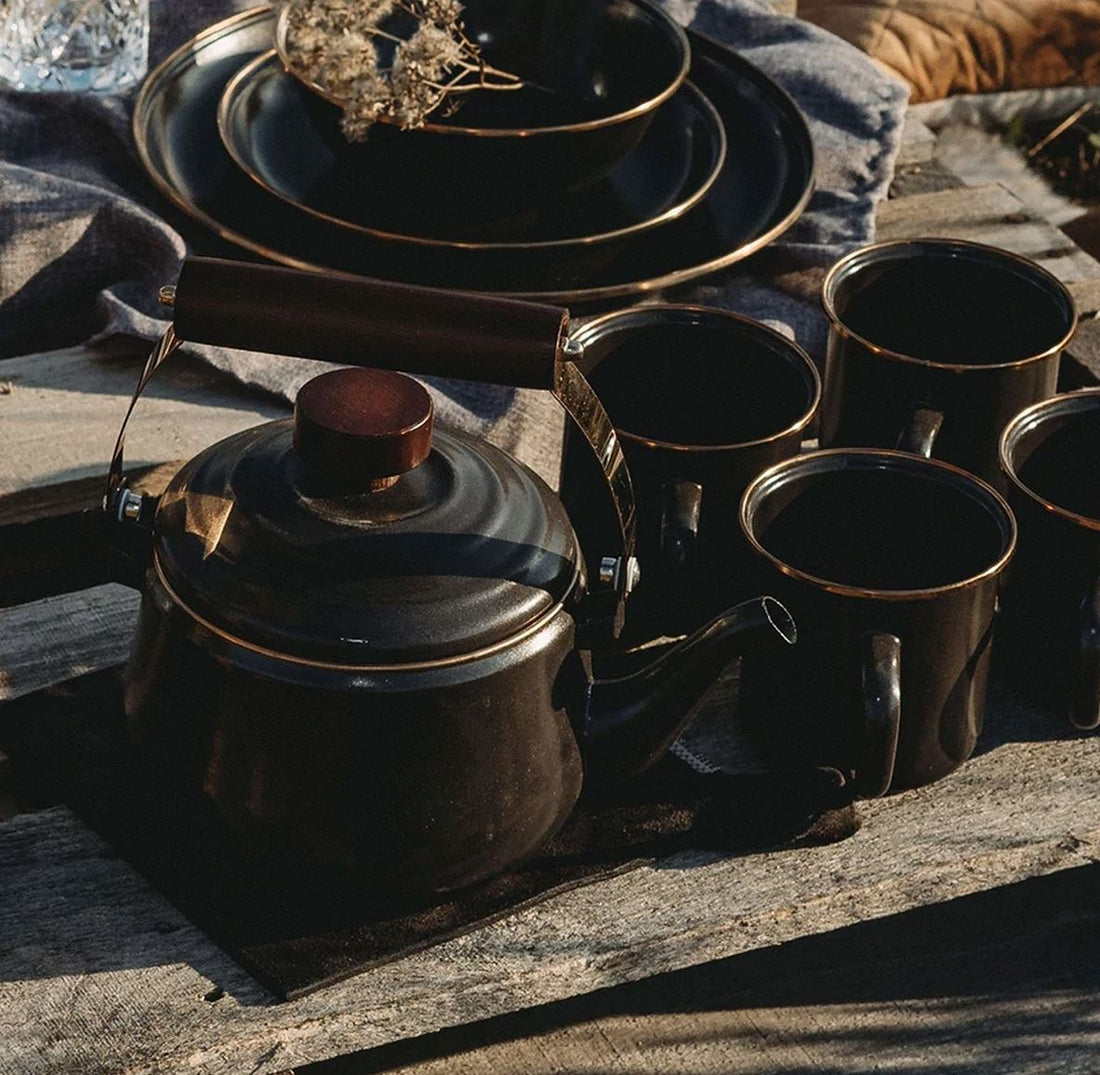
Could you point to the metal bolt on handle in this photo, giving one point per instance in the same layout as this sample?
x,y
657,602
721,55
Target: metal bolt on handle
x,y
620,574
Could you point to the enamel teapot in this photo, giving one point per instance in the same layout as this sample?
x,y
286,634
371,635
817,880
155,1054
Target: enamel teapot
x,y
366,643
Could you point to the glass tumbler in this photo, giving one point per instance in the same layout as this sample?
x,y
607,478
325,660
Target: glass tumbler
x,y
100,46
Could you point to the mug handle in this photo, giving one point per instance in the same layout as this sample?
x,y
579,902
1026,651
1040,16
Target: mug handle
x,y
881,684
681,505
1084,711
919,436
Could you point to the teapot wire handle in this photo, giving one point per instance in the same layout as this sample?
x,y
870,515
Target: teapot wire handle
x,y
118,500
583,406
362,322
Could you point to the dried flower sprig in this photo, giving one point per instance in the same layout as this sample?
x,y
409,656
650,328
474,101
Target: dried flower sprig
x,y
336,45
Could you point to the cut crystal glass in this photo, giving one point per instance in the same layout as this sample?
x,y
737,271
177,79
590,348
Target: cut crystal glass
x,y
74,45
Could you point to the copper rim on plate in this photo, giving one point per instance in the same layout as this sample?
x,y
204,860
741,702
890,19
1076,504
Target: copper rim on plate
x,y
240,96
767,178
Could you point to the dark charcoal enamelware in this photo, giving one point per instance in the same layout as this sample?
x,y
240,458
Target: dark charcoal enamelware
x,y
590,96
702,400
1050,636
891,565
359,643
763,186
274,129
934,344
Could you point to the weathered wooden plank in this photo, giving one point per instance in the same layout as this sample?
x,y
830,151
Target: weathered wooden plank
x,y
98,973
47,642
121,960
62,411
1086,293
59,415
926,178
987,214
918,143
996,982
64,499
1081,359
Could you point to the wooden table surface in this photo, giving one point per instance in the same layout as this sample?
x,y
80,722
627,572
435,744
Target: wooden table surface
x,y
911,946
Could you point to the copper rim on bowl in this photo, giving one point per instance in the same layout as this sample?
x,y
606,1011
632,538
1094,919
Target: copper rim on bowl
x,y
674,31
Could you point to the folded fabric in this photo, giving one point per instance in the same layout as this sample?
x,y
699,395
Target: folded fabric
x,y
85,241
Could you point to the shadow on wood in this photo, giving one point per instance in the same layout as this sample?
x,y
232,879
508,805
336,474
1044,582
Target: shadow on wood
x,y
1002,981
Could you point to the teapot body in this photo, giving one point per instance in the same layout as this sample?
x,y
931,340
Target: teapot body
x,y
358,641
413,779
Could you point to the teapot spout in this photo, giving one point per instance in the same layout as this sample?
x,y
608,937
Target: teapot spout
x,y
631,722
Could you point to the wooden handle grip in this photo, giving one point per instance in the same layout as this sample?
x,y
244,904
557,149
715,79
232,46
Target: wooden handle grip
x,y
362,322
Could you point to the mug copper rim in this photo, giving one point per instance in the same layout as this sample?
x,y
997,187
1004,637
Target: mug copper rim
x,y
646,315
1028,418
886,459
951,248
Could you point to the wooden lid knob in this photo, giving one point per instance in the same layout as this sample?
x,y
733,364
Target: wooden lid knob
x,y
363,427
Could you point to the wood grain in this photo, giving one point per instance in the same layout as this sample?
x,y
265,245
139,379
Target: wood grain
x,y
59,416
1003,981
65,499
1084,350
63,409
88,945
986,214
918,143
54,539
50,641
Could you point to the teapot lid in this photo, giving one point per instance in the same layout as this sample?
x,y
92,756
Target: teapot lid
x,y
352,535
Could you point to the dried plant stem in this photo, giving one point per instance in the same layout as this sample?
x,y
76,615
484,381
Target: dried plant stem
x,y
332,42
470,87
1065,125
474,64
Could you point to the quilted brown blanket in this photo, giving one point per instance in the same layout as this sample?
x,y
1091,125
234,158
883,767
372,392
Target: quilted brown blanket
x,y
944,47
